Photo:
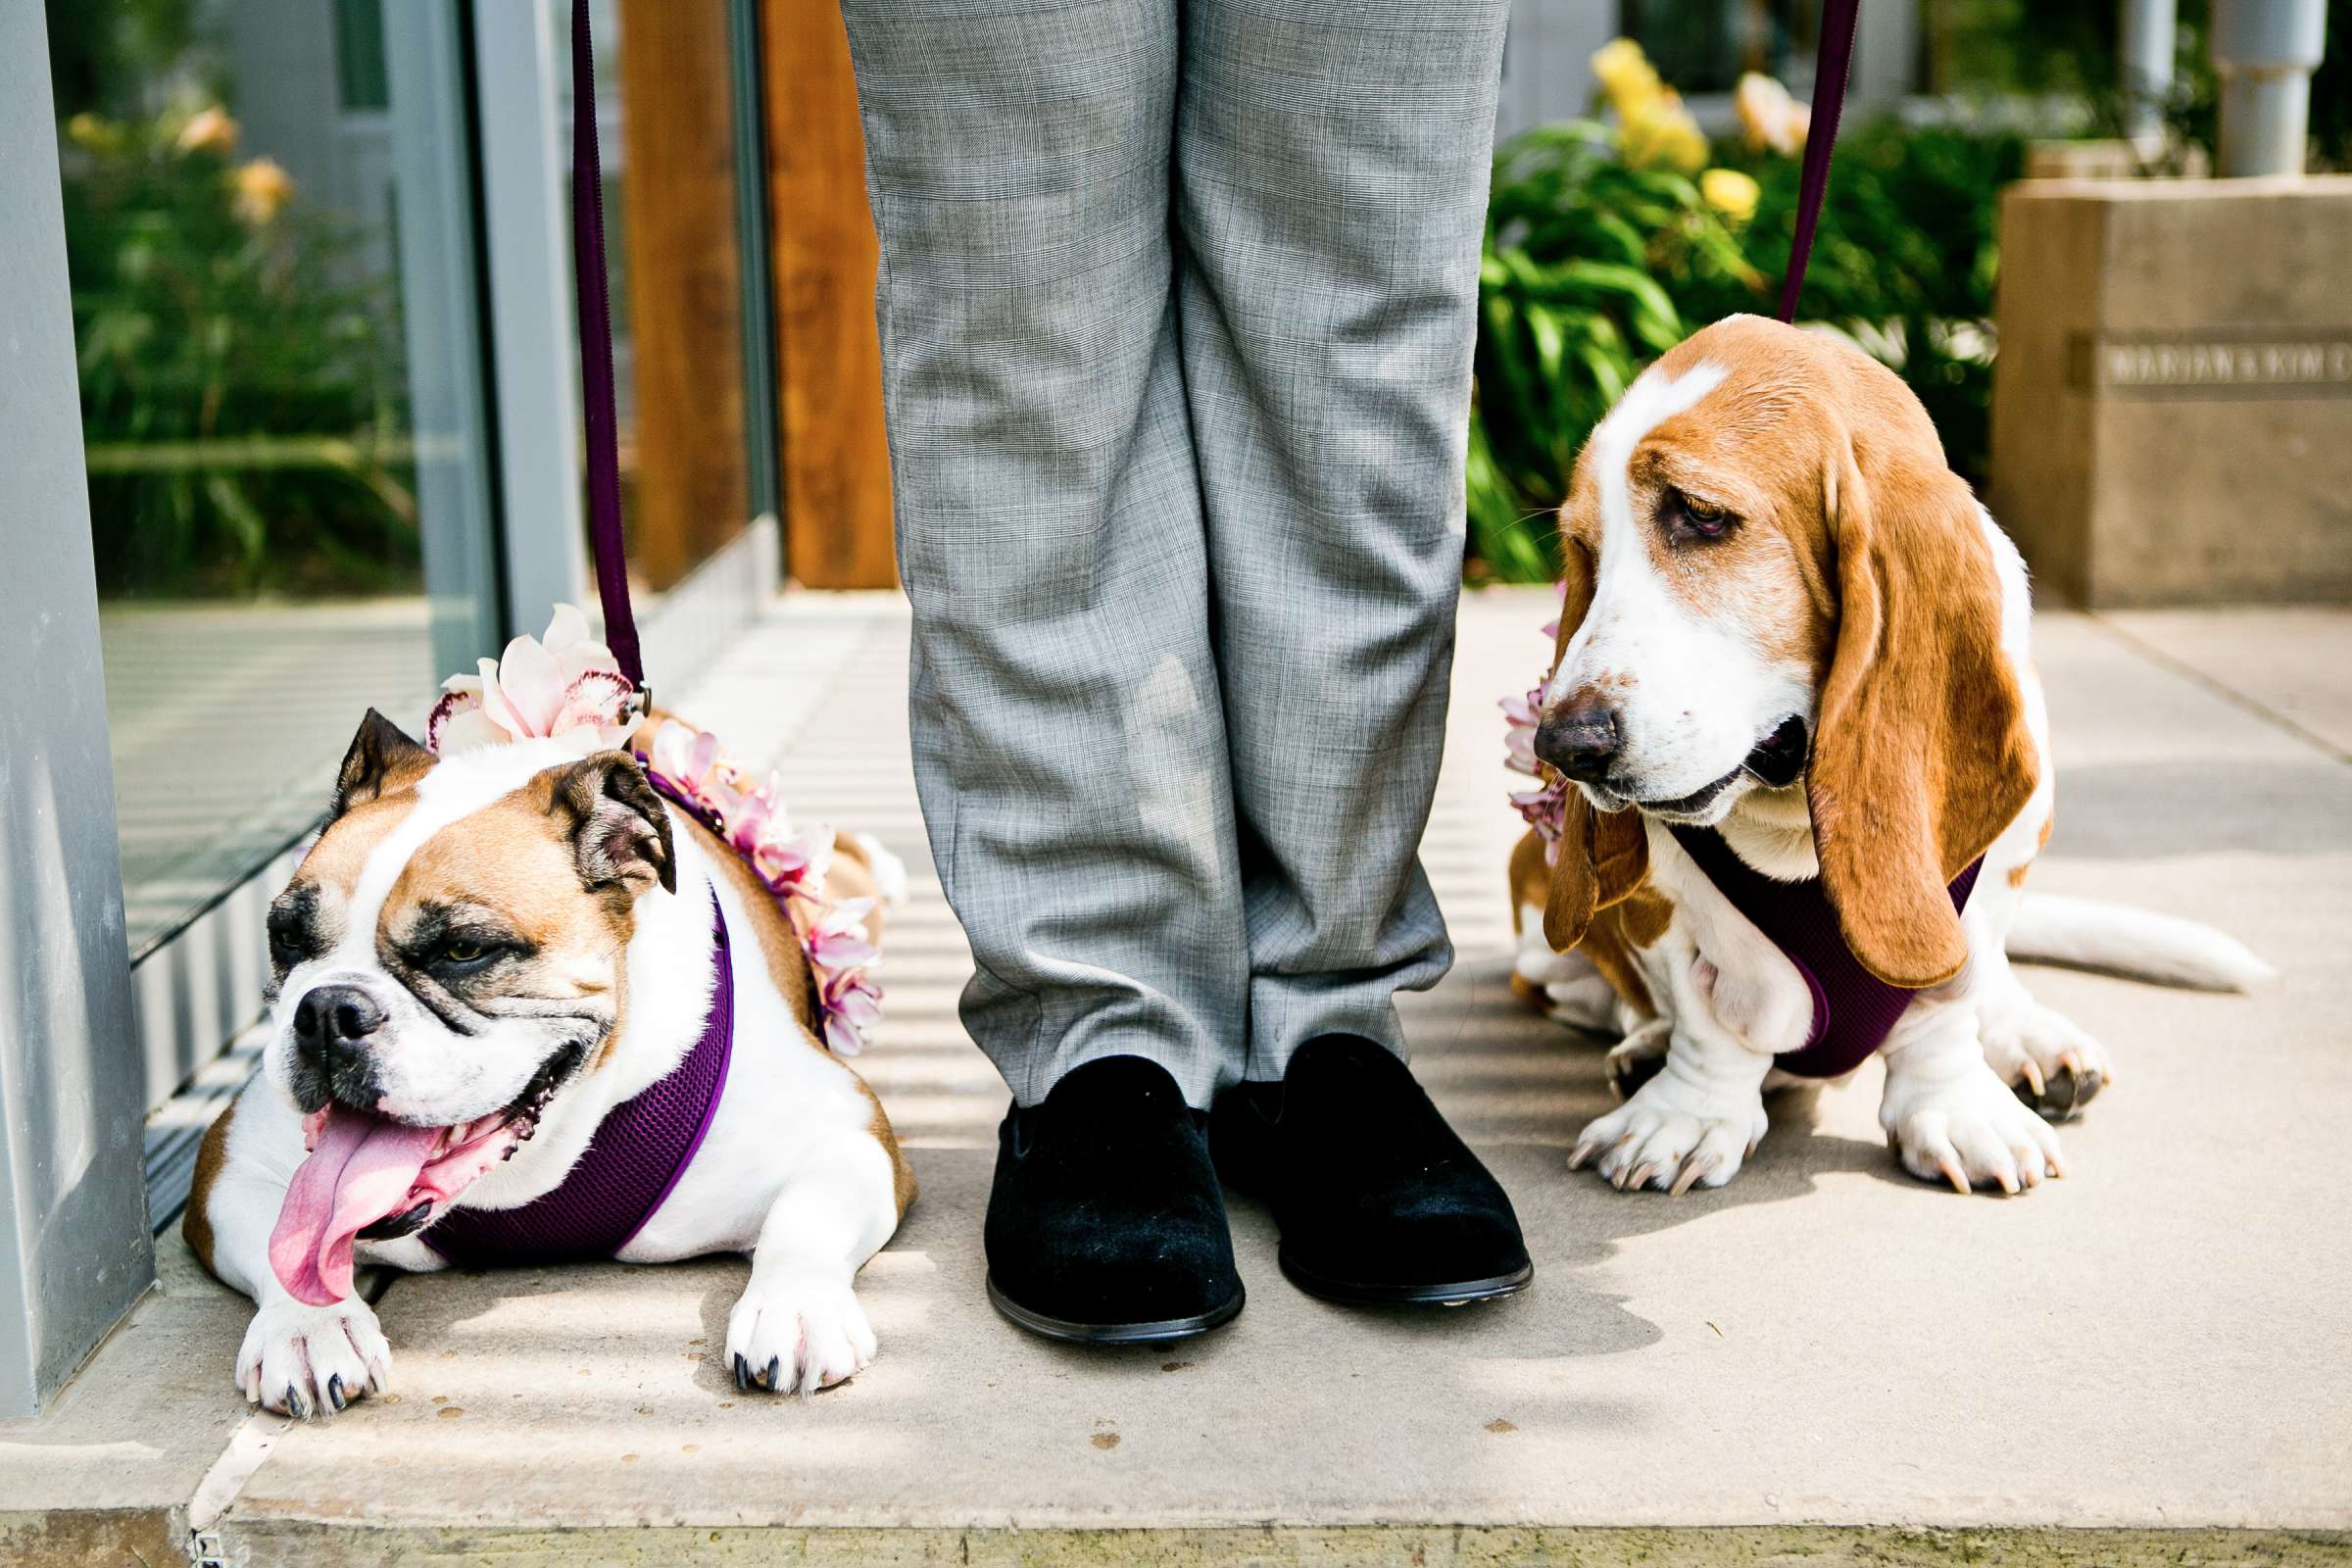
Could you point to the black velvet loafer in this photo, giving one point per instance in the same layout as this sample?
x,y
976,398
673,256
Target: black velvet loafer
x,y
1379,1202
1106,1225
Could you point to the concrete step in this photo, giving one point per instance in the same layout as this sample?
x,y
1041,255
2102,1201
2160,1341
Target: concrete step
x,y
1824,1363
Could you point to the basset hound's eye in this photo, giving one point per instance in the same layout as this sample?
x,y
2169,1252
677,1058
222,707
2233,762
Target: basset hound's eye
x,y
1688,517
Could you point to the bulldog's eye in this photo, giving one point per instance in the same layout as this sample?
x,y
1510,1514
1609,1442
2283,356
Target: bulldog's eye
x,y
463,954
293,936
1691,517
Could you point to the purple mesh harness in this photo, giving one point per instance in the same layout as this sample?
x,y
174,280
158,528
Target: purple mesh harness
x,y
636,1156
1853,1009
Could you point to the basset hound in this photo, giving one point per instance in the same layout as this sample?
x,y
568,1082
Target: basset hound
x,y
1794,645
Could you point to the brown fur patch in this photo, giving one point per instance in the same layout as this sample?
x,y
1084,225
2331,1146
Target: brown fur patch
x,y
779,939
513,859
1620,934
1529,875
342,851
902,1175
852,876
1612,938
196,1221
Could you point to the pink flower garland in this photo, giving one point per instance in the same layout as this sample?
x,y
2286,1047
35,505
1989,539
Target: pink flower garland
x,y
688,766
1546,807
569,687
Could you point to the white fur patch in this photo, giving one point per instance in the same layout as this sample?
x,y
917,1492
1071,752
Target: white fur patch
x,y
1692,692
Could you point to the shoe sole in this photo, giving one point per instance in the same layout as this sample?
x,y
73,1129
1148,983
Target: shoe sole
x,y
1164,1331
1350,1293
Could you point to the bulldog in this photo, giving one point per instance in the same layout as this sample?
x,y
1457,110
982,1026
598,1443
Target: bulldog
x,y
502,977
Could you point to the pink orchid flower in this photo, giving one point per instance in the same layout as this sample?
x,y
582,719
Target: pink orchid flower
x,y
1546,808
837,941
853,1005
795,865
684,755
566,686
1521,714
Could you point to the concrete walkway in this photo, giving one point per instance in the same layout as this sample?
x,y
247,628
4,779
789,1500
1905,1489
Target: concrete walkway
x,y
1827,1361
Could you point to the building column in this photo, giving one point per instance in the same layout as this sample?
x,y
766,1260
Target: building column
x,y
74,1251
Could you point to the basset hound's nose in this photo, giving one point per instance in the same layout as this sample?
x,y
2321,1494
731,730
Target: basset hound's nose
x,y
1581,741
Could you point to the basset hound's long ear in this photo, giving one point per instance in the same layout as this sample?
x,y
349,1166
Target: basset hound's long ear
x,y
1602,857
1921,756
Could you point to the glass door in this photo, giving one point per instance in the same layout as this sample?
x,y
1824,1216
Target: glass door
x,y
270,235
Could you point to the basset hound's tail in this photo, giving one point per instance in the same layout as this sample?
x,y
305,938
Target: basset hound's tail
x,y
2136,943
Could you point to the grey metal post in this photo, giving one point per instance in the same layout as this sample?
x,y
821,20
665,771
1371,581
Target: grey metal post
x,y
1886,54
528,218
2149,34
2265,51
424,50
74,1251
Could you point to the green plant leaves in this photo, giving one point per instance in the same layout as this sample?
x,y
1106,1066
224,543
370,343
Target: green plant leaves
x,y
1591,269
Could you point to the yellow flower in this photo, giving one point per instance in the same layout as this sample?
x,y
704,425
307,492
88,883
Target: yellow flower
x,y
1663,134
208,131
1730,193
1626,75
260,190
1653,127
95,132
1769,116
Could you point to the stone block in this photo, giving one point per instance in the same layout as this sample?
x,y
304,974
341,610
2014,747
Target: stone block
x,y
2172,406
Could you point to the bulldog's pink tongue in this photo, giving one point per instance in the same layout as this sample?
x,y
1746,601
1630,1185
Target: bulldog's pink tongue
x,y
362,1169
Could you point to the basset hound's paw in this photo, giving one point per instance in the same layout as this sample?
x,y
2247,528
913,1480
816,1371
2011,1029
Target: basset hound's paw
x,y
1674,1137
2052,1065
1967,1128
1636,1059
311,1361
798,1332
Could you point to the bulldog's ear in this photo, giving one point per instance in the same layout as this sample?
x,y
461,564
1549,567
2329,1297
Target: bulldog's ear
x,y
618,826
1602,857
1922,755
381,761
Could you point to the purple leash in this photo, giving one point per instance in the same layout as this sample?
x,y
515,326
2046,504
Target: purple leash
x,y
594,295
1853,1009
1832,65
645,1144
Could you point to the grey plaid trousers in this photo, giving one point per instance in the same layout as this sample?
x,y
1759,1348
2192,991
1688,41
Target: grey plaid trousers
x,y
1177,302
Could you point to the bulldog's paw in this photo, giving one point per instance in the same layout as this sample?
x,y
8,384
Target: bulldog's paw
x,y
1967,1128
310,1361
797,1333
1672,1136
2043,1056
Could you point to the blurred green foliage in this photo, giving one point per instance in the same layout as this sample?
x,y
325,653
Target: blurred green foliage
x,y
240,379
1591,269
242,388
1575,294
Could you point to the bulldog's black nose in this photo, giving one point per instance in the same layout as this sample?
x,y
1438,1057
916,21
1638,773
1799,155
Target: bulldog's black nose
x,y
334,1028
1580,742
